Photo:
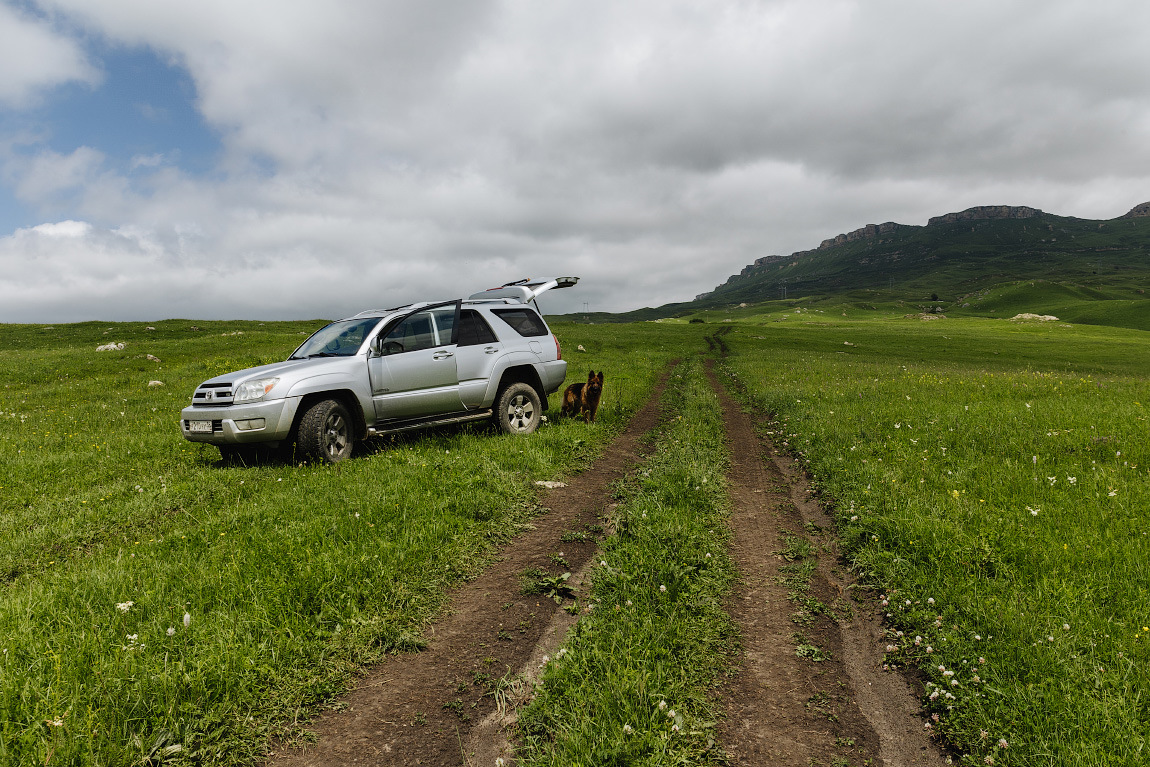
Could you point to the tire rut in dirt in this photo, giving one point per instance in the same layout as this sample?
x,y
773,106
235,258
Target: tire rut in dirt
x,y
782,708
418,709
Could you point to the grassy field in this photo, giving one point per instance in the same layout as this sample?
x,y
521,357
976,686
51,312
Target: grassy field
x,y
159,604
992,481
630,686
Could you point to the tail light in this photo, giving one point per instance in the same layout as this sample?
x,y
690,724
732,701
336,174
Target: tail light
x,y
558,351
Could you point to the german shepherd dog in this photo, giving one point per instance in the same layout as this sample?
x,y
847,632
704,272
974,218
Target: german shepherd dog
x,y
583,397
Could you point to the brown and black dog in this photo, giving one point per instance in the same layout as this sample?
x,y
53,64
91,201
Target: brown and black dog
x,y
583,397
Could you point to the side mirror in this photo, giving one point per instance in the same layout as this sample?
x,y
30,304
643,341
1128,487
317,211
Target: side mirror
x,y
376,349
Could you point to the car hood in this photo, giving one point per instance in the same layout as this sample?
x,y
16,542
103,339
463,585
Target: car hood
x,y
296,368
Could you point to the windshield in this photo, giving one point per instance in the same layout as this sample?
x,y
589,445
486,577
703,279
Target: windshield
x,y
339,339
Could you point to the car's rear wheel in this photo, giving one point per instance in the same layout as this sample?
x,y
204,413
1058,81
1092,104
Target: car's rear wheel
x,y
326,433
519,409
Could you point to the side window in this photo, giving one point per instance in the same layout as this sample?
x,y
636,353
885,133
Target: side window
x,y
444,324
474,330
523,321
411,335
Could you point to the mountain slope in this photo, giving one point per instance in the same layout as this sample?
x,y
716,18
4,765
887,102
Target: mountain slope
x,y
956,255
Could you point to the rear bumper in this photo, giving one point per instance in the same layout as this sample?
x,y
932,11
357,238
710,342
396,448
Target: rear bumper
x,y
552,375
241,424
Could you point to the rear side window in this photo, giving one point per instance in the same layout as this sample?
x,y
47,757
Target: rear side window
x,y
474,330
523,321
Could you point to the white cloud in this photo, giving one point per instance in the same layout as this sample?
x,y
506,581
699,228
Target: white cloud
x,y
377,152
47,175
34,57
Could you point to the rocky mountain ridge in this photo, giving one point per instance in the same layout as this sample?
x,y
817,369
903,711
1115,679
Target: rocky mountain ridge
x,y
875,231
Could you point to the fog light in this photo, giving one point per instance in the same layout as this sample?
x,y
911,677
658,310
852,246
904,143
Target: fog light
x,y
249,424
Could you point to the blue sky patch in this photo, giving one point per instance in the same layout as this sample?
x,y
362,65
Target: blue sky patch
x,y
142,115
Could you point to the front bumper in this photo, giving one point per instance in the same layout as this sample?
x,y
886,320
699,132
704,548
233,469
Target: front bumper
x,y
245,424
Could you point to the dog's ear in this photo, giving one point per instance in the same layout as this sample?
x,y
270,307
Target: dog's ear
x,y
591,375
600,377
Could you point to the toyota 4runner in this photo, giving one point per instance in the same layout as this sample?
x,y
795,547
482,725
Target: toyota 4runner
x,y
490,356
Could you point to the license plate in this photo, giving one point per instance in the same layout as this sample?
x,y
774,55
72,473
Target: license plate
x,y
198,427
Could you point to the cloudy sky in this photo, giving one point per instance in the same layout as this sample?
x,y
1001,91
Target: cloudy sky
x,y
276,159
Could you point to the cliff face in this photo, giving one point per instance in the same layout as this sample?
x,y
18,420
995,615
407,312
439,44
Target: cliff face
x,y
986,212
1138,211
868,232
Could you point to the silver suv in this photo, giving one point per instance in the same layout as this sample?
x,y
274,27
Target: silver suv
x,y
490,356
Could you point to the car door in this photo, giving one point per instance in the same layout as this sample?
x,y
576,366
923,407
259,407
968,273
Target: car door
x,y
477,349
413,366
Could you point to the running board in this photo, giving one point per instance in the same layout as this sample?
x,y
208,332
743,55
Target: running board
x,y
479,415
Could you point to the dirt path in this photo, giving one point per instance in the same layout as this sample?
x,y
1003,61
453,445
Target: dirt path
x,y
439,707
832,705
421,708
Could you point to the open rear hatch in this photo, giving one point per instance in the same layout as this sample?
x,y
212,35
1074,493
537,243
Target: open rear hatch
x,y
524,291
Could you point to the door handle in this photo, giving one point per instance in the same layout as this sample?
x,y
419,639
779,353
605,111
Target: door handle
x,y
442,355
491,350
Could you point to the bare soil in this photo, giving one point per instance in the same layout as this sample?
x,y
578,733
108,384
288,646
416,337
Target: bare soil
x,y
833,705
446,706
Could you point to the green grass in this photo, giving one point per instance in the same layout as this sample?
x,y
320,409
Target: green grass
x,y
291,576
630,684
991,480
1001,470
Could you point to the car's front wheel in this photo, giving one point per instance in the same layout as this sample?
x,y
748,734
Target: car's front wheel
x,y
326,433
519,409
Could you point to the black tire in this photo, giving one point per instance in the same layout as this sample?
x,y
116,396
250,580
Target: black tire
x,y
326,433
518,409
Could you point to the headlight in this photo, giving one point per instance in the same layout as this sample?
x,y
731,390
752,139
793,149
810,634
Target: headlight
x,y
249,391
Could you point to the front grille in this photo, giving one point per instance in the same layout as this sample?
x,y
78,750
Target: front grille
x,y
213,395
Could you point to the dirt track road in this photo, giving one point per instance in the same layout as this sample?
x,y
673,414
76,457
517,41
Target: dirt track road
x,y
835,706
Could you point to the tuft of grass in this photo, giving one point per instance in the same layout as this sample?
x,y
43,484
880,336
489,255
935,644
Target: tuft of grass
x,y
537,581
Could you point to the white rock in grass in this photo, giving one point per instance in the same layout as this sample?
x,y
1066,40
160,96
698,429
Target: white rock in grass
x,y
549,484
112,347
155,383
152,358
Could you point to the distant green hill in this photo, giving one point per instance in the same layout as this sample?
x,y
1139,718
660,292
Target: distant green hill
x,y
989,261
